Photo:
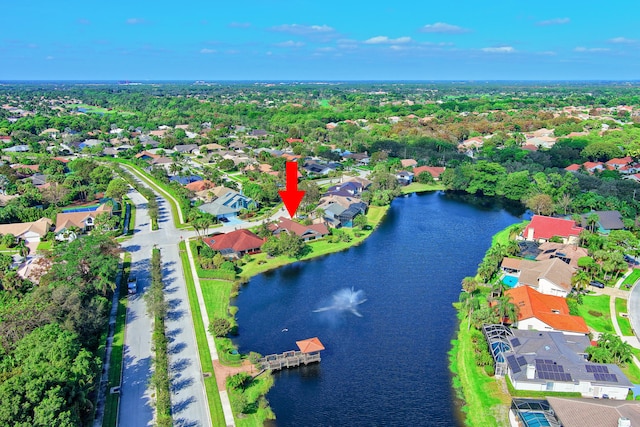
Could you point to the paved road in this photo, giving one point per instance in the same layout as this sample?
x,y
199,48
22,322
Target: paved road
x,y
188,399
634,309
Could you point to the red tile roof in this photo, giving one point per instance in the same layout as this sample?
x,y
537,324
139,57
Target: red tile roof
x,y
435,171
592,165
299,229
573,167
292,140
238,241
620,161
199,185
310,345
550,309
545,227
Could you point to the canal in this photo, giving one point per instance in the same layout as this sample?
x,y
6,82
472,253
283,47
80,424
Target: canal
x,y
385,361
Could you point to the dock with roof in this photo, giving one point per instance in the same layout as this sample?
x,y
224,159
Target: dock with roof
x,y
309,352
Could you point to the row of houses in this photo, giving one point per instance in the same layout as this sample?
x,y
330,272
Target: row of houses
x,y
241,242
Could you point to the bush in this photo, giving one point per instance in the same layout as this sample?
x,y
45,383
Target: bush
x,y
219,327
489,370
595,313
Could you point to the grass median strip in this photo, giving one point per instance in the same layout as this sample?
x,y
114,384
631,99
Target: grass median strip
x,y
623,322
211,387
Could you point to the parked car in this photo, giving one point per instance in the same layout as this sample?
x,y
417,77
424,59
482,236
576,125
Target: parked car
x,y
132,285
223,219
597,284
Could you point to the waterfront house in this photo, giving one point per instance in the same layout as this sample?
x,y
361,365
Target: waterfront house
x,y
404,177
567,253
435,171
305,232
552,361
540,312
575,412
550,277
235,244
542,228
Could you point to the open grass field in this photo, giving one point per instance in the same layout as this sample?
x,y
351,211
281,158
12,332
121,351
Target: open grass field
x,y
86,108
595,311
502,237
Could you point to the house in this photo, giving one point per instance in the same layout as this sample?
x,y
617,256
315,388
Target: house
x,y
591,167
362,181
540,312
199,185
542,228
17,149
550,277
349,188
186,148
575,412
294,140
607,221
80,218
315,168
228,205
404,177
235,244
28,231
361,159
552,361
567,253
53,133
147,155
408,163
574,167
184,180
435,171
619,163
306,232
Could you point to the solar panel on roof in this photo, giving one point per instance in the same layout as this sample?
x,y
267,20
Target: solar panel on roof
x,y
605,369
590,368
515,342
548,361
521,361
513,364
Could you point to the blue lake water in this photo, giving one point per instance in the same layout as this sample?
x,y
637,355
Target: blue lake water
x,y
388,367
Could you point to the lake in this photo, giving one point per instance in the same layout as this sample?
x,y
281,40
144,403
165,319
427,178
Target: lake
x,y
389,366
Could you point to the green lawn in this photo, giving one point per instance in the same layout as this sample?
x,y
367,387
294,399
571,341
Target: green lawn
x,y
595,311
632,278
623,322
115,367
485,402
45,246
211,387
502,237
99,110
417,187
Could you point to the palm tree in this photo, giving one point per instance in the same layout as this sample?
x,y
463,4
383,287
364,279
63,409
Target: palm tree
x,y
175,168
506,309
592,220
470,303
580,280
469,284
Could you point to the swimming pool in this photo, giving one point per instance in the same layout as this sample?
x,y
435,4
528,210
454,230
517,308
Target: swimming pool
x,y
510,281
535,419
82,209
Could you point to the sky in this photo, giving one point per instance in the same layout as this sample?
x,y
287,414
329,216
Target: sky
x,y
320,40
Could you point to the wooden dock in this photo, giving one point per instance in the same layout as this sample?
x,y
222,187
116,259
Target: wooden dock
x,y
309,353
288,359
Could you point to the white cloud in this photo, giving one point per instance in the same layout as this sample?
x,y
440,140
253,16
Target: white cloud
x,y
290,43
591,49
548,53
135,21
555,21
442,27
387,40
303,30
240,24
622,40
326,49
207,51
499,49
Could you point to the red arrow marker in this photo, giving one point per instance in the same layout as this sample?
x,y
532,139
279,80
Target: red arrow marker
x,y
292,196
